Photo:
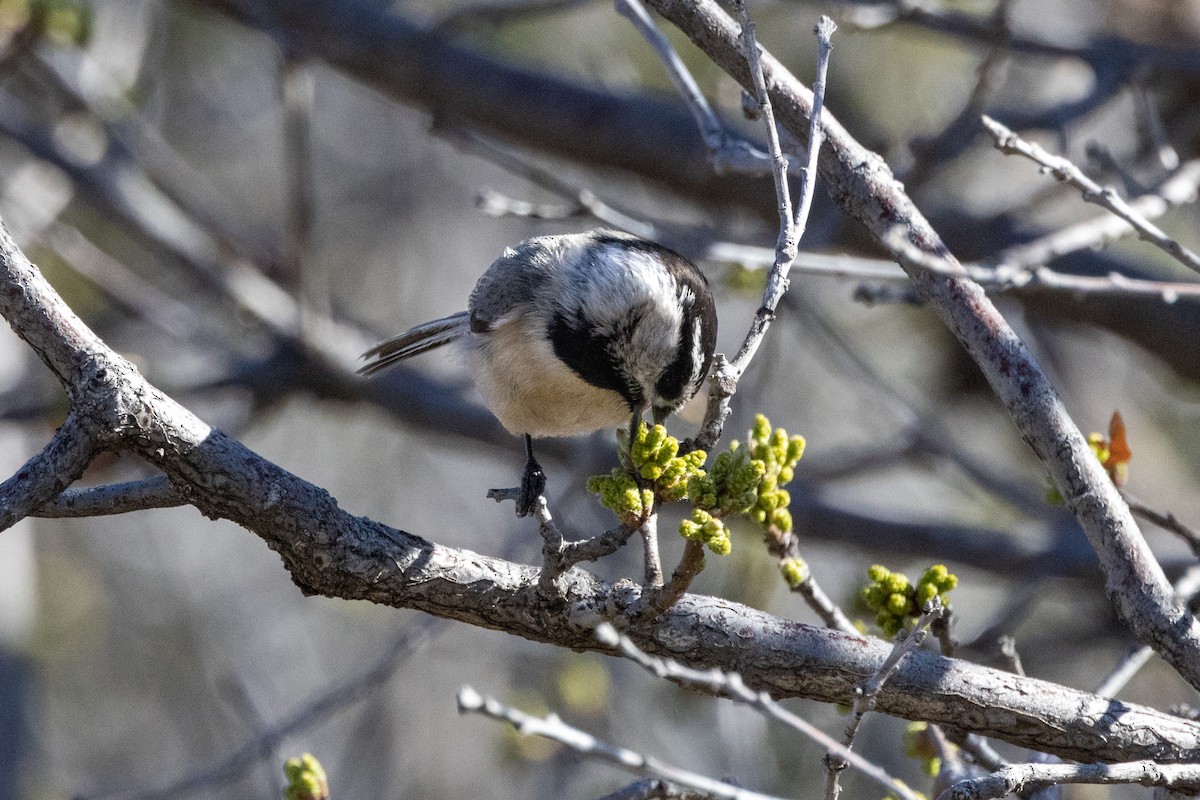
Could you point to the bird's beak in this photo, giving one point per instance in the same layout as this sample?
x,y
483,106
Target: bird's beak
x,y
660,415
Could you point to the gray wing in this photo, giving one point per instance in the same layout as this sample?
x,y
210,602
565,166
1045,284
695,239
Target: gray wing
x,y
516,281
414,341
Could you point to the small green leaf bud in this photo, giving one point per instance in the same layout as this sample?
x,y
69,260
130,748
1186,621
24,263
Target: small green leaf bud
x,y
795,571
306,779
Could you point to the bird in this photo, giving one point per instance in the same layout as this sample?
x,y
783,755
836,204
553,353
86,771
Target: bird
x,y
571,333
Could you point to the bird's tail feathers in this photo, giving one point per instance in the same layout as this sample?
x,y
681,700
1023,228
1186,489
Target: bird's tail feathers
x,y
415,341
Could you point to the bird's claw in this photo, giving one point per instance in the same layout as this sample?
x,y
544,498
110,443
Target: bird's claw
x,y
533,486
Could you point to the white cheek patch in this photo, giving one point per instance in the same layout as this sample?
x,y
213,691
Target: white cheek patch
x,y
697,357
634,286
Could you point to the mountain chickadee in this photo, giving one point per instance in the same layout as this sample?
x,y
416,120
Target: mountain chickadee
x,y
572,333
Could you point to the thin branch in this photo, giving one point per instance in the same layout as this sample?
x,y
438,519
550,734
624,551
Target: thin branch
x,y
1165,520
117,498
1015,269
1178,188
785,248
790,228
46,474
559,555
1019,777
554,729
653,789
597,547
785,546
652,558
727,153
823,606
725,376
691,564
823,30
732,686
866,694
1064,170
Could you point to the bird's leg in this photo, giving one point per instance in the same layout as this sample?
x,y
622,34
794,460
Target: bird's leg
x,y
533,482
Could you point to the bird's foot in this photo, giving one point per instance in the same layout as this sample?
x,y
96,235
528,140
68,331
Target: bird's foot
x,y
533,486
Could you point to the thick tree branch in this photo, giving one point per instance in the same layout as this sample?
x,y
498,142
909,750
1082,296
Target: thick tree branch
x,y
861,183
331,552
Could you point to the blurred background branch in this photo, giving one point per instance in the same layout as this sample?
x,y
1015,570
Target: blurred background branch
x,y
240,196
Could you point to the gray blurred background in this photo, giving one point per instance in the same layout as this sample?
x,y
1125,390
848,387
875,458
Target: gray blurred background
x,y
155,156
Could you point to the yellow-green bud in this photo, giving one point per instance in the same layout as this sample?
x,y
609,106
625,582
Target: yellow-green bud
x,y
703,527
306,779
620,494
795,571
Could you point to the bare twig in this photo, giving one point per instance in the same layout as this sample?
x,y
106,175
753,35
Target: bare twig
x,y
1064,170
785,546
46,474
653,789
1165,520
118,498
559,555
731,685
785,246
1176,189
554,729
1019,777
653,559
726,152
726,375
691,563
864,698
790,228
1008,649
824,607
